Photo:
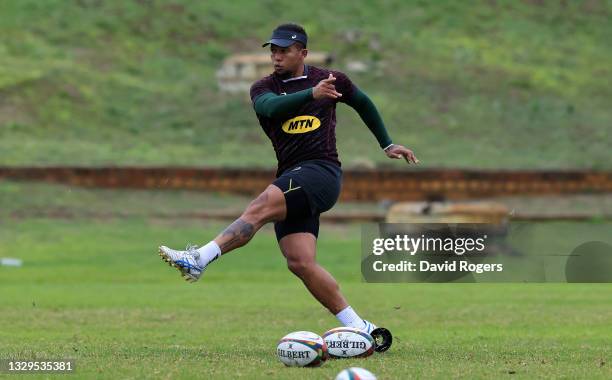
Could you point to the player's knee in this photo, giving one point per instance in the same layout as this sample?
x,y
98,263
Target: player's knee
x,y
263,209
258,214
299,267
254,212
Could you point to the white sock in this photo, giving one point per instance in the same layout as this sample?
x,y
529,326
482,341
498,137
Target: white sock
x,y
349,318
208,253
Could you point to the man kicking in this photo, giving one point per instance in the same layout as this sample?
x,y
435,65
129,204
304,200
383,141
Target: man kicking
x,y
296,107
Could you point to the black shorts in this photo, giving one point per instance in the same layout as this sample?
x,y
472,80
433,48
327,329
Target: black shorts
x,y
311,188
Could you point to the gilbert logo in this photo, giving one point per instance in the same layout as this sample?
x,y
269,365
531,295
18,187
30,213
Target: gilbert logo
x,y
301,124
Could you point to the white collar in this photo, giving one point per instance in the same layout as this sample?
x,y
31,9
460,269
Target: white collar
x,y
297,78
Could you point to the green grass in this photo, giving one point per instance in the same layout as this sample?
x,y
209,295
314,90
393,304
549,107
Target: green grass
x,y
94,290
471,84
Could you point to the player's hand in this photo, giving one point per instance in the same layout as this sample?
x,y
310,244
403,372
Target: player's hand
x,y
398,151
326,89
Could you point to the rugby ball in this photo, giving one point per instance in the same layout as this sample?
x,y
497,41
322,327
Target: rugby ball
x,y
348,342
355,373
302,349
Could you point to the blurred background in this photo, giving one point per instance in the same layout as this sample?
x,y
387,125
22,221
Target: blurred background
x,y
126,124
512,85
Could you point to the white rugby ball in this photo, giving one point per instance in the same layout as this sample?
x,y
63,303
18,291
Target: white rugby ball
x,y
355,373
302,349
348,342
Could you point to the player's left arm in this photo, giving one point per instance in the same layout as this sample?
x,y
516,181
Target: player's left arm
x,y
368,112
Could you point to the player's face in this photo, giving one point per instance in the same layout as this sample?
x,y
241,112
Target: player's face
x,y
287,60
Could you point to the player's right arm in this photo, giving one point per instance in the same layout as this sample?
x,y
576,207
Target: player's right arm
x,y
276,106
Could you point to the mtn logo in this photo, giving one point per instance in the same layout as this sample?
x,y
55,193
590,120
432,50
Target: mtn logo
x,y
301,124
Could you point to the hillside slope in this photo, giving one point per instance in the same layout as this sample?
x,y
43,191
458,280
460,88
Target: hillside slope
x,y
497,84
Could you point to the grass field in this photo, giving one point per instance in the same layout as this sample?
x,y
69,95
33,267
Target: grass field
x,y
95,290
515,84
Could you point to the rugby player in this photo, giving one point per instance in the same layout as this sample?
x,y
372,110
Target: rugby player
x,y
296,107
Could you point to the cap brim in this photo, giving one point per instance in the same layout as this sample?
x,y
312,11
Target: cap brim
x,y
280,42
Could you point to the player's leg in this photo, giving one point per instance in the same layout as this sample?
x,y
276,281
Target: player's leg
x,y
268,206
299,248
300,251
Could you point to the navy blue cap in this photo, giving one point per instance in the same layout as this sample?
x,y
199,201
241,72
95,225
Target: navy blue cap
x,y
286,38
